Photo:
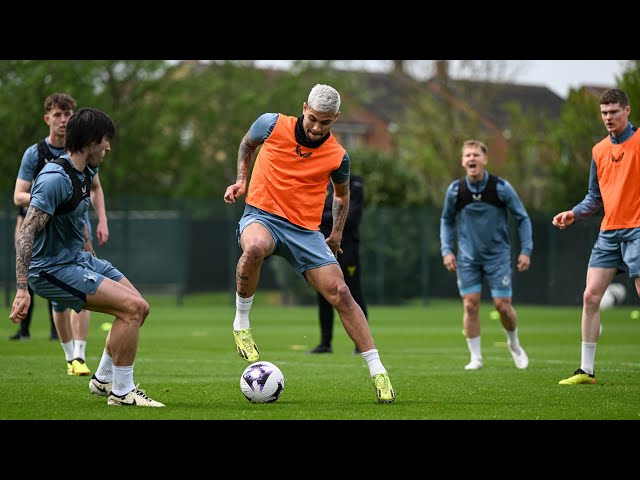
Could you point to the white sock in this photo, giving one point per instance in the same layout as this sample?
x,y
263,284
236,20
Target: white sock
x,y
123,380
474,348
243,305
512,339
373,362
68,350
588,357
79,347
104,373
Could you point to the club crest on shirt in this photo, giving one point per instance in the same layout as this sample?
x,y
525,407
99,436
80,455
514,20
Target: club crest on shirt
x,y
616,160
300,154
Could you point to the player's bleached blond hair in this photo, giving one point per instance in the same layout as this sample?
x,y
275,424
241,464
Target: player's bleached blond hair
x,y
324,99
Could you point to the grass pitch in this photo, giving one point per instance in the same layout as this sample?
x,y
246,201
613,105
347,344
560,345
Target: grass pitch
x,y
187,360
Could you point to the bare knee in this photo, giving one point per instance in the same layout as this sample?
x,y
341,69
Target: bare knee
x,y
143,310
503,306
137,310
471,307
338,295
343,295
591,299
255,250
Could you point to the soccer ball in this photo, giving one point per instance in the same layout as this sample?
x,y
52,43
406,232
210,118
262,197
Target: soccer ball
x,y
615,294
262,382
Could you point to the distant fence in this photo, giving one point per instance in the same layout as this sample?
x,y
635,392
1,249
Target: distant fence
x,y
177,247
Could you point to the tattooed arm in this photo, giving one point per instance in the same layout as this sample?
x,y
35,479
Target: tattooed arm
x,y
340,210
33,223
245,156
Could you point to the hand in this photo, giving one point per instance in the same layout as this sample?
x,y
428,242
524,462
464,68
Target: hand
x,y
234,191
20,305
564,219
334,246
102,233
449,261
524,261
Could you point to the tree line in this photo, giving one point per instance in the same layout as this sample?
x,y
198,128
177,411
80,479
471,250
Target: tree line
x,y
180,125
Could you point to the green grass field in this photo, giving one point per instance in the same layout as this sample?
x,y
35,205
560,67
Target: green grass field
x,y
187,360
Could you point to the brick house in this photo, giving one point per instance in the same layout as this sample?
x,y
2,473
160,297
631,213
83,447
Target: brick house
x,y
374,119
371,115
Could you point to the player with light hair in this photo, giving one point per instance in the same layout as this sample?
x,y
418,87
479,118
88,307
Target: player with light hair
x,y
283,212
324,98
475,213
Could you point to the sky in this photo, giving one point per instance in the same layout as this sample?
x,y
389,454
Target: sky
x,y
558,75
561,75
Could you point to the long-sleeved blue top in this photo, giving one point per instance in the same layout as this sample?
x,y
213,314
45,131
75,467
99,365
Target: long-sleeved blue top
x,y
482,227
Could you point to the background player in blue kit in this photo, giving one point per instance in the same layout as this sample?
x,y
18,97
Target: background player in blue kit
x,y
476,209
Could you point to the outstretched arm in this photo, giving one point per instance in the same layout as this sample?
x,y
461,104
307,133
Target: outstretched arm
x,y
33,223
245,156
591,203
563,219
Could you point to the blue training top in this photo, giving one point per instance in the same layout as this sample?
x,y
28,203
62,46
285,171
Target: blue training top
x,y
482,227
61,242
29,164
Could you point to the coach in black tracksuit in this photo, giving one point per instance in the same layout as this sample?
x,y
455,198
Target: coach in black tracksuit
x,y
349,259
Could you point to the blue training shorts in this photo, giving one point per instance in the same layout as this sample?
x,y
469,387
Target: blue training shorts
x,y
497,272
303,249
69,285
621,254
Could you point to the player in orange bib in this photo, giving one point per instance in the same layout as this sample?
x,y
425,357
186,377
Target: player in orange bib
x,y
282,216
613,184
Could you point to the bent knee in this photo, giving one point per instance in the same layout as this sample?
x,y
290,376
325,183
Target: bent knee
x,y
143,308
256,249
341,295
137,310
